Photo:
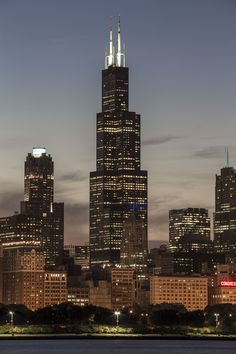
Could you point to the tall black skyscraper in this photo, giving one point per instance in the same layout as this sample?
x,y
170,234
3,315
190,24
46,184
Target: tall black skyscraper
x,y
118,187
40,223
225,207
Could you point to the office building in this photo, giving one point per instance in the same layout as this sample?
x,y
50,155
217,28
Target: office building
x,y
225,210
55,287
122,288
189,221
78,296
100,294
222,285
134,248
192,292
23,278
118,187
40,223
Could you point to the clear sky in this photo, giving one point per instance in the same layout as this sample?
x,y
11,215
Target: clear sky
x,y
182,60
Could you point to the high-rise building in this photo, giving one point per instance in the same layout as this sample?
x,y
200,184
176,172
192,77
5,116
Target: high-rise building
x,y
40,223
225,209
134,248
23,278
122,288
189,221
118,187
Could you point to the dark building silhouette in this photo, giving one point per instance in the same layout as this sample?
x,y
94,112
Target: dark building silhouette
x,y
118,187
188,221
40,223
225,209
161,260
195,254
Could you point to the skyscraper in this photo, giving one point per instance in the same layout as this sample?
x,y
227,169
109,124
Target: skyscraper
x,y
189,221
134,248
118,187
225,207
40,224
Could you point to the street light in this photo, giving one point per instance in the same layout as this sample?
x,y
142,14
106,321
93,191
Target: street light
x,y
11,313
217,319
117,314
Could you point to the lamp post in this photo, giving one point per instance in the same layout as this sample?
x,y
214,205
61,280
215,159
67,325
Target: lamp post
x,y
11,313
117,314
217,319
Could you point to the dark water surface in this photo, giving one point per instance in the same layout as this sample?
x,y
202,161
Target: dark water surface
x,y
116,346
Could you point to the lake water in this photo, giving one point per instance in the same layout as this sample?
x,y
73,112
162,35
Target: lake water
x,y
116,346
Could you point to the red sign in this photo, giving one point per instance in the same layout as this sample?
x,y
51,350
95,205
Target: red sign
x,y
228,284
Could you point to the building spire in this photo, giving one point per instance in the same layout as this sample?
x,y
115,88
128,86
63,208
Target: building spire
x,y
226,157
120,56
109,59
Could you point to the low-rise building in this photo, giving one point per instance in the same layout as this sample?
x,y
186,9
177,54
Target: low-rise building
x,y
78,296
222,286
192,291
100,294
55,287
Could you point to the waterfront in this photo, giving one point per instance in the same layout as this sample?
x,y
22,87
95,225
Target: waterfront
x,y
117,346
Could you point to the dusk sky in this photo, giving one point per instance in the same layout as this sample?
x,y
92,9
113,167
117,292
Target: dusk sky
x,y
182,60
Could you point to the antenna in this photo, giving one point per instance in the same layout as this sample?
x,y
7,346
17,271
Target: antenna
x,y
120,56
226,157
109,59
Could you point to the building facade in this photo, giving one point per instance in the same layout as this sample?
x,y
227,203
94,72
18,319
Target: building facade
x,y
192,292
118,187
23,278
134,247
100,294
222,285
55,287
189,221
122,288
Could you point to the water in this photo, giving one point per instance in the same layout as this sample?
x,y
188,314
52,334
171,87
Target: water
x,y
116,346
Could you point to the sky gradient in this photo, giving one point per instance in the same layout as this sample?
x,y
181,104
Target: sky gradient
x,y
181,56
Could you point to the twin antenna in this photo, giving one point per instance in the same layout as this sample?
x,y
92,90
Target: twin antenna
x,y
115,58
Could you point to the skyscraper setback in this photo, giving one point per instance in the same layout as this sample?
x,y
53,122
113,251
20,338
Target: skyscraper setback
x,y
118,187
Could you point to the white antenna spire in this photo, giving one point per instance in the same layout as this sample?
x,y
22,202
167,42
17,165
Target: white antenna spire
x,y
226,157
109,59
120,57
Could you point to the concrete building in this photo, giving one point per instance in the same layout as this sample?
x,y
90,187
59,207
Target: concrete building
x,y
100,294
192,292
23,278
161,260
222,286
78,296
55,287
188,221
82,256
122,288
134,247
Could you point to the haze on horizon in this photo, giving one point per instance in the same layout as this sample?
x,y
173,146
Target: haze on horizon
x,y
181,56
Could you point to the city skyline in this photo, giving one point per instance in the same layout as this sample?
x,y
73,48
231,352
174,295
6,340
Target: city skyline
x,y
188,149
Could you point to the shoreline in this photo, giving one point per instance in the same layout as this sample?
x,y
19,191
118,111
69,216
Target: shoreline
x,y
116,337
